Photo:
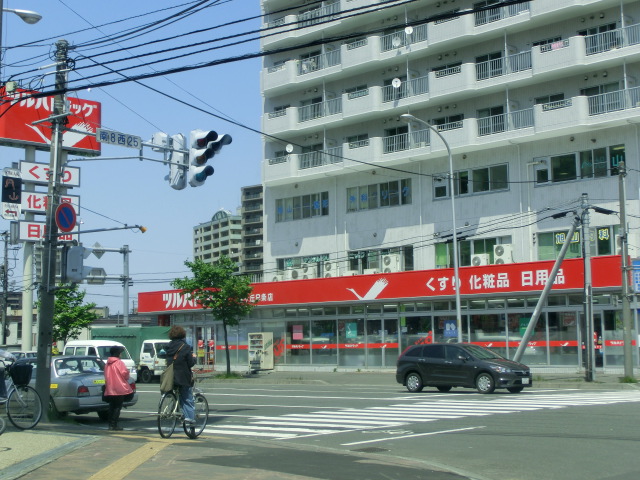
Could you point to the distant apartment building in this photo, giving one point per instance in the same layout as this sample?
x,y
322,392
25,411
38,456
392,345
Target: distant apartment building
x,y
221,236
252,232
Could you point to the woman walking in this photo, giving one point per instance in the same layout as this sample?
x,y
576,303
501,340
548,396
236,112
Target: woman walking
x,y
116,376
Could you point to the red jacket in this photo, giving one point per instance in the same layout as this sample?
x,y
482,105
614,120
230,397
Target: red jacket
x,y
116,376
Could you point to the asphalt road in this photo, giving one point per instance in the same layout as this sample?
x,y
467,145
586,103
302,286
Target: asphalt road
x,y
553,434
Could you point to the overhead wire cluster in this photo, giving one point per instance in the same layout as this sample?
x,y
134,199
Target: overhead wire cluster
x,y
91,70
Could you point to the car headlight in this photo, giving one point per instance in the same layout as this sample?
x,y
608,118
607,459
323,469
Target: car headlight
x,y
500,369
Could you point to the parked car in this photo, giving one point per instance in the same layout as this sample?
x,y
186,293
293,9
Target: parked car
x,y
448,365
101,349
76,385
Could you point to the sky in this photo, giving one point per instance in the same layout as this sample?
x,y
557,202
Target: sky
x,y
127,191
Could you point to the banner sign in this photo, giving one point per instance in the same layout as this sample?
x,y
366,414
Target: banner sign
x,y
503,279
19,110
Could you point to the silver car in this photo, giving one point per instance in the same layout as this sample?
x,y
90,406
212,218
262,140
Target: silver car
x,y
76,385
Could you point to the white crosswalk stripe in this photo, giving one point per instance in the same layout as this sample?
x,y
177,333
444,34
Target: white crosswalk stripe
x,y
326,422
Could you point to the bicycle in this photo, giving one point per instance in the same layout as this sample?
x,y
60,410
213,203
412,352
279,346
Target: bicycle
x,y
170,412
23,404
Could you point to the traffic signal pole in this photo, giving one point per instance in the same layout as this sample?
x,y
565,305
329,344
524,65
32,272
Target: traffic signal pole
x,y
46,291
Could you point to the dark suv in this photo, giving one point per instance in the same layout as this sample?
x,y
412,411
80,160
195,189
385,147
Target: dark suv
x,y
447,365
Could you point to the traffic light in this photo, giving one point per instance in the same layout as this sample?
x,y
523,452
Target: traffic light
x,y
203,146
178,163
75,270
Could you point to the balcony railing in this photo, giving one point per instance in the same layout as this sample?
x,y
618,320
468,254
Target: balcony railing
x,y
556,105
276,160
320,158
614,101
401,38
417,86
445,72
495,14
319,62
319,110
506,121
318,15
618,38
503,66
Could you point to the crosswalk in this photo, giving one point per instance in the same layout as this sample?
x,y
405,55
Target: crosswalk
x,y
332,421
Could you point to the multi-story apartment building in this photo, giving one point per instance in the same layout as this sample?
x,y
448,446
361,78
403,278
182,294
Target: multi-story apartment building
x,y
220,236
252,232
538,105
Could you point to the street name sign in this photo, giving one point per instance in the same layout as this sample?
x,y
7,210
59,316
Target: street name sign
x,y
116,138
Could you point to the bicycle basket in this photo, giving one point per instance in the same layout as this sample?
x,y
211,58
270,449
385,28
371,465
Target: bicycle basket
x,y
21,373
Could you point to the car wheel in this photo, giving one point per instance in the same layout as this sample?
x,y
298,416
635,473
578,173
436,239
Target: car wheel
x,y
515,389
485,383
444,388
104,415
54,414
145,375
414,382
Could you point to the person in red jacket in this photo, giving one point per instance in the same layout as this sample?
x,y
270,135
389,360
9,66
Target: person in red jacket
x,y
116,376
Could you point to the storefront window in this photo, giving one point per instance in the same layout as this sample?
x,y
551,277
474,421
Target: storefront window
x,y
417,330
324,348
352,336
563,338
297,344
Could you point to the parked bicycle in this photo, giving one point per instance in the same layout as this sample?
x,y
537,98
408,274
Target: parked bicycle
x,y
170,412
23,404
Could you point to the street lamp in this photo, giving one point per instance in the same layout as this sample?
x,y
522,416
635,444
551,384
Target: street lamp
x,y
26,15
406,117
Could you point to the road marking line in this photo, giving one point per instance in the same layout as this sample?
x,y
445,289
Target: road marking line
x,y
127,464
410,436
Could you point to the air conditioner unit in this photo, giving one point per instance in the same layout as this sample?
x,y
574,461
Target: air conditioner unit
x,y
330,269
480,259
351,273
370,271
503,253
391,263
277,278
293,274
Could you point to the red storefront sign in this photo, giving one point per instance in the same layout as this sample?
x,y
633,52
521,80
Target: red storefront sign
x,y
19,110
423,284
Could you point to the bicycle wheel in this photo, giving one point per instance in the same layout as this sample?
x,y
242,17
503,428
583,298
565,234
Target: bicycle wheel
x,y
3,425
24,407
202,416
167,414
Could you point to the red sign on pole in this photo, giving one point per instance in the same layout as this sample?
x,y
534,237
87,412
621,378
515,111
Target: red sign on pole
x,y
65,217
19,110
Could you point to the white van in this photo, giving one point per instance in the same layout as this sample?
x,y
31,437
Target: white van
x,y
100,349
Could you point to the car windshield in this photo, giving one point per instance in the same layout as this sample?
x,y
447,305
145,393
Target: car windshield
x,y
76,366
104,353
482,353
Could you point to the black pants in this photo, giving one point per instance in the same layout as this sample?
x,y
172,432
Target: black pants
x,y
115,405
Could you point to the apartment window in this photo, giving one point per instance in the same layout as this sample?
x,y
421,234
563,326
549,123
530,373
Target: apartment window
x,y
467,250
356,43
358,141
598,162
279,111
547,41
394,93
489,65
302,206
450,122
477,180
450,69
380,260
379,195
357,92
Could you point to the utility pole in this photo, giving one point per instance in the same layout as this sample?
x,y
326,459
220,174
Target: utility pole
x,y
588,292
5,287
50,243
125,282
626,308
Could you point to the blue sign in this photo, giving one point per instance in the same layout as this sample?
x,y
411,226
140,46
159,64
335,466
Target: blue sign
x,y
450,329
65,217
635,275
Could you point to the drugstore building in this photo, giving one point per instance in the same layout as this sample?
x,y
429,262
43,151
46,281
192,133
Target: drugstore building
x,y
365,321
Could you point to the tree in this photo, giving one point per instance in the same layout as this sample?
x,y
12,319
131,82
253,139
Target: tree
x,y
216,287
70,315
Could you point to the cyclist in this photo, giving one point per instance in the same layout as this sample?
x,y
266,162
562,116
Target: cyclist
x,y
182,377
3,386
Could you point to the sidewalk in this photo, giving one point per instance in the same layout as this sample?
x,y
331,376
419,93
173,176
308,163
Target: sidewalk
x,y
22,452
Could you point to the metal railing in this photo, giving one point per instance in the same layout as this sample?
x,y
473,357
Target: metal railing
x,y
495,14
405,141
320,158
276,160
614,101
505,122
445,72
417,86
504,65
318,15
319,110
400,38
318,62
556,105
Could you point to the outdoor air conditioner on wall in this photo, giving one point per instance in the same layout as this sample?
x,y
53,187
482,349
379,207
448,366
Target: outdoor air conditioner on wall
x,y
308,270
370,271
351,273
391,263
480,259
293,274
503,253
330,269
277,278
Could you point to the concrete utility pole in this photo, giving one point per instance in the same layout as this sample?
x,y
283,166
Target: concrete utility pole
x,y
626,308
50,243
588,292
5,287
